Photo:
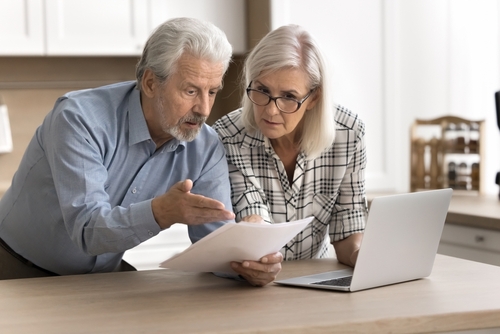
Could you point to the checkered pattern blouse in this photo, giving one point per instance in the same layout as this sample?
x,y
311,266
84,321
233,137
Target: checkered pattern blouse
x,y
331,188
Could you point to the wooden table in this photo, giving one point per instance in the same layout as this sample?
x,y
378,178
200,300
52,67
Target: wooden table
x,y
459,294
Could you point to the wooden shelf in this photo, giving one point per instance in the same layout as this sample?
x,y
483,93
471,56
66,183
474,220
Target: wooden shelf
x,y
447,152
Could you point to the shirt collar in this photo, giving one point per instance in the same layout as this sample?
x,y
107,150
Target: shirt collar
x,y
251,138
138,128
257,139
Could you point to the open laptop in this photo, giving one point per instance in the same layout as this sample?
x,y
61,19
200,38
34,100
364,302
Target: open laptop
x,y
400,243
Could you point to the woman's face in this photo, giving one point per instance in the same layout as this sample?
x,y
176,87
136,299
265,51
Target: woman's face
x,y
289,83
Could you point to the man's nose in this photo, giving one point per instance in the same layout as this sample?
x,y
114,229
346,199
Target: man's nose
x,y
203,105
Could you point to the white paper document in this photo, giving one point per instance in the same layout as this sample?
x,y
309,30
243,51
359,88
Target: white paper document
x,y
235,242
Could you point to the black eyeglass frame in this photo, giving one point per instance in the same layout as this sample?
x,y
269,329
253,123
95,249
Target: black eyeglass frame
x,y
275,99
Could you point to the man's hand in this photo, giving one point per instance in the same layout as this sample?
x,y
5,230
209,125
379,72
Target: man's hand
x,y
178,205
260,273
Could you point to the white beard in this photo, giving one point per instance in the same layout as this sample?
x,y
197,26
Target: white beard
x,y
176,130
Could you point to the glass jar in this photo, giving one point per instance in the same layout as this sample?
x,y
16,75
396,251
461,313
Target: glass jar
x,y
450,137
474,138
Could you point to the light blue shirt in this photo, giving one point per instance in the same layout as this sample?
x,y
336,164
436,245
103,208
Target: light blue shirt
x,y
82,194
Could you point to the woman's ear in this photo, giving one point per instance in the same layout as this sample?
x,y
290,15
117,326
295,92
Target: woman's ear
x,y
314,98
148,83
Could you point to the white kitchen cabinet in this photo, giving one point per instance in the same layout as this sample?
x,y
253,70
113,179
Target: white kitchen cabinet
x,y
105,27
95,27
21,28
476,244
229,15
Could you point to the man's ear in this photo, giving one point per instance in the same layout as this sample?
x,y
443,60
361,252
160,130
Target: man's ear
x,y
149,83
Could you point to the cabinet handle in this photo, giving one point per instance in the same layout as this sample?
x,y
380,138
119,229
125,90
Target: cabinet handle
x,y
479,238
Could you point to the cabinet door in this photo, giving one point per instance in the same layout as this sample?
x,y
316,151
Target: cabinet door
x,y
475,244
96,27
21,28
228,15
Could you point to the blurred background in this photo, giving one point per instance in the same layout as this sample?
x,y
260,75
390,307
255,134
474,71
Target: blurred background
x,y
392,62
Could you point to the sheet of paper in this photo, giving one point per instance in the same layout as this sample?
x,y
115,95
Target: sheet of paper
x,y
235,242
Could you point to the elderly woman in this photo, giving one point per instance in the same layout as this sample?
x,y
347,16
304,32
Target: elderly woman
x,y
293,153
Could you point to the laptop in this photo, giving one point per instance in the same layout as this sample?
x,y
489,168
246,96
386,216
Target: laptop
x,y
400,243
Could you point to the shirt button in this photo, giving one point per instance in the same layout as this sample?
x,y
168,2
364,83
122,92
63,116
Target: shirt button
x,y
134,190
150,233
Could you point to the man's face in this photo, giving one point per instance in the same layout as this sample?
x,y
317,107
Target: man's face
x,y
183,102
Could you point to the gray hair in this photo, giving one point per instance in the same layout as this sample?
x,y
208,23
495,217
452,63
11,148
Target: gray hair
x,y
291,46
177,36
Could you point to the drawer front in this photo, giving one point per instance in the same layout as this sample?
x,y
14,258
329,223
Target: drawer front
x,y
471,237
470,253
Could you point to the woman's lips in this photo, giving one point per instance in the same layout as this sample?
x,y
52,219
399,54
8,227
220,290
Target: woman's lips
x,y
270,123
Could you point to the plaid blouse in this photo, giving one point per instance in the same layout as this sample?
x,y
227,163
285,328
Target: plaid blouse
x,y
331,187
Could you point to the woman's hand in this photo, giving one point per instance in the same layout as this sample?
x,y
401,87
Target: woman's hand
x,y
260,273
264,271
253,219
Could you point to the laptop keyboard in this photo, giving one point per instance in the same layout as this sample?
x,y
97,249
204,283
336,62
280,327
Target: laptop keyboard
x,y
341,281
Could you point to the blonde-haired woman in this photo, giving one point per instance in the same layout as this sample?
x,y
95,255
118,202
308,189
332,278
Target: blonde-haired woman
x,y
292,152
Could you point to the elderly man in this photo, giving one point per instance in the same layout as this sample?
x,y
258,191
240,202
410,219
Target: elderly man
x,y
111,167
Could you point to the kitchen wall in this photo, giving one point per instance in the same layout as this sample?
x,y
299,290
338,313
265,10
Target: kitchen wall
x,y
398,60
394,61
29,87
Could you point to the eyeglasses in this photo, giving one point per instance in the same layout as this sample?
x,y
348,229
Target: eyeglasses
x,y
284,104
